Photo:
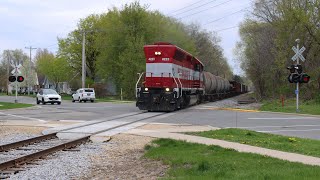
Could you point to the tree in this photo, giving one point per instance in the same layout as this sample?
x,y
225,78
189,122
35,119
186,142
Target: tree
x,y
116,39
125,32
70,48
3,71
266,40
54,68
209,51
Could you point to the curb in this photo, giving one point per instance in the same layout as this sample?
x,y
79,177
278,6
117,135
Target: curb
x,y
297,114
258,111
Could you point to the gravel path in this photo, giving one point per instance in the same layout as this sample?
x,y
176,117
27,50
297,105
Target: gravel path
x,y
120,158
233,103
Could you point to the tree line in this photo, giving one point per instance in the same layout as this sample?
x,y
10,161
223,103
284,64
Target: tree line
x,y
114,47
267,37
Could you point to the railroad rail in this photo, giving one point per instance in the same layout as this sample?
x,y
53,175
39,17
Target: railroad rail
x,y
12,166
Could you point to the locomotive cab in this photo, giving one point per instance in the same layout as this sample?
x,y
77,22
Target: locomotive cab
x,y
172,78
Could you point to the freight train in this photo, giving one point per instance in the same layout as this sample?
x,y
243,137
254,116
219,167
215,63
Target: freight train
x,y
175,79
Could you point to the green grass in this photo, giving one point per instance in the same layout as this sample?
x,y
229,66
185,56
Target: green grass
x,y
66,97
306,107
5,105
197,161
283,143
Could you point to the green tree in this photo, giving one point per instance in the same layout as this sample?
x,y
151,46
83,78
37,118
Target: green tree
x,y
116,39
266,40
70,48
54,68
209,51
126,31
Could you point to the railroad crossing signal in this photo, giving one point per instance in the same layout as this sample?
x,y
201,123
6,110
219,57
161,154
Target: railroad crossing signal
x,y
16,69
20,79
298,54
304,78
14,78
297,75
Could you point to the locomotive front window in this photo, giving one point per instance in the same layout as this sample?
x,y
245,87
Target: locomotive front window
x,y
179,55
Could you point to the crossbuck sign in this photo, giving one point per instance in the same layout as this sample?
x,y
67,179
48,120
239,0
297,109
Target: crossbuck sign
x,y
298,54
16,69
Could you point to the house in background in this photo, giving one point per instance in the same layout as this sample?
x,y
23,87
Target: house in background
x,y
61,87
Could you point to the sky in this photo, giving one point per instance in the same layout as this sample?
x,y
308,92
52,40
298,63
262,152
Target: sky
x,y
38,23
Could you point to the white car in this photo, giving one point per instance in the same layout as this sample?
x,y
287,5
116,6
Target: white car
x,y
84,94
48,96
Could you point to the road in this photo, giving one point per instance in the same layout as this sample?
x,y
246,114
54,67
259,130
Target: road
x,y
276,123
66,111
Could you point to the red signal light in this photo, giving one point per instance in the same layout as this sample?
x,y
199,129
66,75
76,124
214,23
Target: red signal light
x,y
304,78
20,79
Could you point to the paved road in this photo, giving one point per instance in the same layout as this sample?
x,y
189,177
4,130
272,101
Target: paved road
x,y
66,111
291,125
276,123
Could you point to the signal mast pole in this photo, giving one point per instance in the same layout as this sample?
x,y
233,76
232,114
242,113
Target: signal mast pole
x,y
297,90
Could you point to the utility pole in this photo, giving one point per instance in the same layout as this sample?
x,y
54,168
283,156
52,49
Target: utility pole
x,y
83,59
8,70
29,69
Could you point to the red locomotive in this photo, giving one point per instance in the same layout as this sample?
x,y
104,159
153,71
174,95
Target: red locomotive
x,y
175,79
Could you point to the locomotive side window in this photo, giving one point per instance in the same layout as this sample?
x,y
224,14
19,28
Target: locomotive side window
x,y
197,67
179,55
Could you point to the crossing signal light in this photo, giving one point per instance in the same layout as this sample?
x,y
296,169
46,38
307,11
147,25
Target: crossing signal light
x,y
12,78
295,68
20,79
304,78
298,68
293,78
298,78
292,68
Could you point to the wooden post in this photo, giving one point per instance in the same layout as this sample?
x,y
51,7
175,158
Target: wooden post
x,y
121,95
282,100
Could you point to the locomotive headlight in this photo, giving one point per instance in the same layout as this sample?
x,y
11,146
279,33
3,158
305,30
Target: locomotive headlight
x,y
167,89
157,53
146,89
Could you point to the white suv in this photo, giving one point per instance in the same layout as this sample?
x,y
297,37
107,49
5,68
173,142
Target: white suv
x,y
48,96
84,94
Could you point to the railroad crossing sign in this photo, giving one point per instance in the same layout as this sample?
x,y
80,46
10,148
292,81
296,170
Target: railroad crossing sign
x,y
16,69
298,54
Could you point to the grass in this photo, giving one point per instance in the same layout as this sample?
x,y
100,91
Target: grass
x,y
197,161
306,107
5,105
283,143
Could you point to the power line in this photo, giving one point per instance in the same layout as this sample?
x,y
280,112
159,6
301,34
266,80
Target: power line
x,y
184,7
206,9
195,7
232,27
218,19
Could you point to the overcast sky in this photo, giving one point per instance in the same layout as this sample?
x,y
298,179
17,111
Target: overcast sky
x,y
38,23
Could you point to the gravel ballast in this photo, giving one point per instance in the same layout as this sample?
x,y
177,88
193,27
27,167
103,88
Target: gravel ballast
x,y
120,158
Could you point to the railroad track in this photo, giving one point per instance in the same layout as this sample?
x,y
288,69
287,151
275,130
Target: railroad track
x,y
34,149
